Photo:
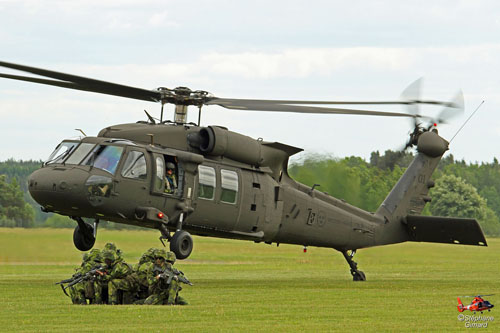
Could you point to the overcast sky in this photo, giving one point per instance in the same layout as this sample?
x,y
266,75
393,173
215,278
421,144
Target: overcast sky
x,y
331,50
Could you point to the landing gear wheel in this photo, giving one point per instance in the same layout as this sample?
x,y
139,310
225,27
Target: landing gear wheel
x,y
84,240
181,244
358,276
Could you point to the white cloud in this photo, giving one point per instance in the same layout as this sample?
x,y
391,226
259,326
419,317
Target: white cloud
x,y
297,49
309,62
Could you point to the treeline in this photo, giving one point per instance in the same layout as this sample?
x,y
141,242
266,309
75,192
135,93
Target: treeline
x,y
462,189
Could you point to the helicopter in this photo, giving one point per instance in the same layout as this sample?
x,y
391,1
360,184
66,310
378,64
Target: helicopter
x,y
477,304
225,184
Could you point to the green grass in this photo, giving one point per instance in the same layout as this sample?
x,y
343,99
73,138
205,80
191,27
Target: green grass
x,y
252,287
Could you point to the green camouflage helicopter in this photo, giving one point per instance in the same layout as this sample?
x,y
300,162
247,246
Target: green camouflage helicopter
x,y
182,178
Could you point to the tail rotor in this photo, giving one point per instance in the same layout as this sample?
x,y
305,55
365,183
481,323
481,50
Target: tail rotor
x,y
412,96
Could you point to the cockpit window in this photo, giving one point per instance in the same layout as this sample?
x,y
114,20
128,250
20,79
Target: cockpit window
x,y
105,158
61,152
81,151
135,166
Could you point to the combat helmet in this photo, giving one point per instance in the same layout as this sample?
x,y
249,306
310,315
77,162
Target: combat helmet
x,y
170,166
171,257
160,254
148,256
95,255
110,246
108,255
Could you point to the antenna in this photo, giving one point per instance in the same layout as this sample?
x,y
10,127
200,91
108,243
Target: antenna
x,y
151,119
473,113
81,131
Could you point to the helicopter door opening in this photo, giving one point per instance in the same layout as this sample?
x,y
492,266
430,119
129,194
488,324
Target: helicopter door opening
x,y
168,176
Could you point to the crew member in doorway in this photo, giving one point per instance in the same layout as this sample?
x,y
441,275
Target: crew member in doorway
x,y
170,180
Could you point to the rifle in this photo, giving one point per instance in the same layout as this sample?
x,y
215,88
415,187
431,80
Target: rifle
x,y
77,278
168,275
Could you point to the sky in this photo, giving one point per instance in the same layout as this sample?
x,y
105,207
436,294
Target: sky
x,y
306,50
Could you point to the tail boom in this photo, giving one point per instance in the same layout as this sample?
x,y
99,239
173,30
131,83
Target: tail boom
x,y
400,210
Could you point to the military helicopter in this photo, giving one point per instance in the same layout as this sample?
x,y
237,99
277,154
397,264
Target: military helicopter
x,y
183,178
477,304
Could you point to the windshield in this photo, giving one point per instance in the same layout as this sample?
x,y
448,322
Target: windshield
x,y
80,152
61,152
104,157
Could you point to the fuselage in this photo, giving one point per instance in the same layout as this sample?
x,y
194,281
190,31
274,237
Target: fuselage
x,y
122,179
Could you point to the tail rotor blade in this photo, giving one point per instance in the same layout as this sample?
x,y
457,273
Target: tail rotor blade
x,y
452,111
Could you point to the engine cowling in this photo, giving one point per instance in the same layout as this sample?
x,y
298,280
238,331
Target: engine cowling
x,y
218,141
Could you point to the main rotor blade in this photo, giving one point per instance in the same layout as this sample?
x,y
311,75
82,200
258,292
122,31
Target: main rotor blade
x,y
303,109
250,102
71,85
81,83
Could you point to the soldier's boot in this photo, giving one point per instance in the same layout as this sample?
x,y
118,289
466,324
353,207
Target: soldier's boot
x,y
181,300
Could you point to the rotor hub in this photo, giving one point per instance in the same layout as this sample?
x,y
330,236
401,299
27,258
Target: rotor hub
x,y
183,96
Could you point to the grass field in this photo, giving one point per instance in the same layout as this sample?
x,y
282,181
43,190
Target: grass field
x,y
242,286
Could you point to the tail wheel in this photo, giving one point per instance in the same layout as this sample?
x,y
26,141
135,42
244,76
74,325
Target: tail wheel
x,y
181,244
359,276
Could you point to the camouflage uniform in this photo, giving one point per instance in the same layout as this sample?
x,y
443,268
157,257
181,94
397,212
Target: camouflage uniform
x,y
84,290
118,278
161,292
112,247
146,262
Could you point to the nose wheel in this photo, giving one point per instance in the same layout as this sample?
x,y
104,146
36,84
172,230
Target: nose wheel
x,y
85,234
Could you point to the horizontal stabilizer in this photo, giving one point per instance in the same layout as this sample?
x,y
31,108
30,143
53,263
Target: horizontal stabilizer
x,y
450,230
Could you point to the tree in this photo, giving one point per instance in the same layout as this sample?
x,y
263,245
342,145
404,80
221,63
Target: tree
x,y
59,221
14,211
455,198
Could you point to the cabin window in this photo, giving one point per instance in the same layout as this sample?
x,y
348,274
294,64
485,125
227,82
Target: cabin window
x,y
135,166
206,186
61,152
160,172
105,158
80,152
229,185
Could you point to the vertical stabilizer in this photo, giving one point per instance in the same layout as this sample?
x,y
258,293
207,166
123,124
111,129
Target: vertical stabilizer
x,y
410,194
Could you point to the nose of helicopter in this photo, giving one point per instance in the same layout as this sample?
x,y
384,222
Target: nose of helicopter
x,y
59,189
